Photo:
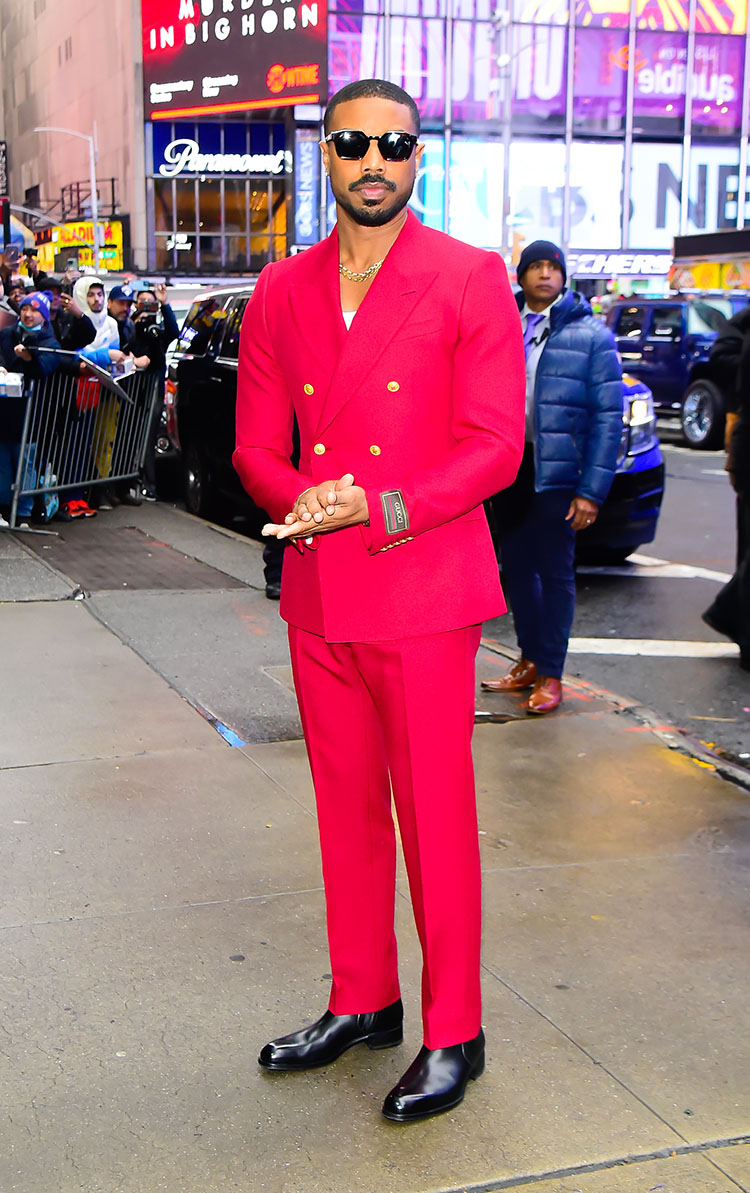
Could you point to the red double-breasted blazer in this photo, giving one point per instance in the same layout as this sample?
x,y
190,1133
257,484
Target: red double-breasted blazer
x,y
422,400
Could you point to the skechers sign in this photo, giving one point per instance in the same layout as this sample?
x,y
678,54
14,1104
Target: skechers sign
x,y
212,56
184,156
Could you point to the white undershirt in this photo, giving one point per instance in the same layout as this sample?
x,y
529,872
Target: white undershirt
x,y
348,316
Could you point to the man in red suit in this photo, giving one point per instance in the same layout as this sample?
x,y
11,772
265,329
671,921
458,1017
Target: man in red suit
x,y
399,352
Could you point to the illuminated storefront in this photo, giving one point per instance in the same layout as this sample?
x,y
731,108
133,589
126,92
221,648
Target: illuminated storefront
x,y
222,82
62,245
610,128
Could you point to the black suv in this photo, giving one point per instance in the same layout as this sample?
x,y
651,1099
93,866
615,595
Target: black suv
x,y
665,343
200,399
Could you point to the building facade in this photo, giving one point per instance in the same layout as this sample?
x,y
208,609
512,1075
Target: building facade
x,y
609,126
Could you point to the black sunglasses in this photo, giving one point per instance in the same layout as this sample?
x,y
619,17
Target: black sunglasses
x,y
352,145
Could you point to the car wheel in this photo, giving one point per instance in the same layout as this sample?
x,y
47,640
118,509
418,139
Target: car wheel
x,y
702,415
200,498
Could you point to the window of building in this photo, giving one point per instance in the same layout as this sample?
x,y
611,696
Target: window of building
x,y
600,80
595,194
539,66
235,205
659,86
209,205
537,181
186,205
729,17
163,205
717,84
656,189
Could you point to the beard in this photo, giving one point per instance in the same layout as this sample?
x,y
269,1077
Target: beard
x,y
376,212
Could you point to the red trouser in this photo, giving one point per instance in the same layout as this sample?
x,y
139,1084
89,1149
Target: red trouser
x,y
403,709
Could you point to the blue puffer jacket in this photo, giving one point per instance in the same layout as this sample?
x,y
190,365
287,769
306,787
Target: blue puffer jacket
x,y
577,402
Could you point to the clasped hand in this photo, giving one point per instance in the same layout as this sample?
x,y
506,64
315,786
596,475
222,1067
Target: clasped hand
x,y
332,505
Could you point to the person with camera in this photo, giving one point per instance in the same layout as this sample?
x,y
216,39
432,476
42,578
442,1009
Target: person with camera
x,y
69,323
155,327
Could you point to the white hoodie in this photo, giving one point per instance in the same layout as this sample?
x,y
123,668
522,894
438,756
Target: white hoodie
x,y
107,331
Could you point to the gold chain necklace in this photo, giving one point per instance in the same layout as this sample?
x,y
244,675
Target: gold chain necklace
x,y
360,277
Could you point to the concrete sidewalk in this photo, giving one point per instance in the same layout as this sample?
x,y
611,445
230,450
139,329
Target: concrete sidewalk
x,y
163,917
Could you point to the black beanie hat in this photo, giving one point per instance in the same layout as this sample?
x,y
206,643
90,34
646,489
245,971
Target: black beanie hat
x,y
541,250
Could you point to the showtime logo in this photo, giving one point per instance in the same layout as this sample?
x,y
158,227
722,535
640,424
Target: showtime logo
x,y
279,77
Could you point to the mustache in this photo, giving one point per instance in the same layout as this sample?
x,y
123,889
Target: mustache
x,y
372,180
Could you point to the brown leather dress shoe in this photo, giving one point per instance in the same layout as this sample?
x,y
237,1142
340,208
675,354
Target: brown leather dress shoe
x,y
546,695
521,675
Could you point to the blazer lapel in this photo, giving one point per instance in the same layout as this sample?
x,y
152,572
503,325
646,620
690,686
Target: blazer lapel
x,y
315,309
399,286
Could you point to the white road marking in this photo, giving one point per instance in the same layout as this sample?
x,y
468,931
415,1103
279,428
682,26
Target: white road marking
x,y
655,647
714,471
643,566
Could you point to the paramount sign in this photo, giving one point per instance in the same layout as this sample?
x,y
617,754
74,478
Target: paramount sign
x,y
184,156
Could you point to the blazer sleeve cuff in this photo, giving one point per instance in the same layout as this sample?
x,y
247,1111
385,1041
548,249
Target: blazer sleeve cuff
x,y
389,521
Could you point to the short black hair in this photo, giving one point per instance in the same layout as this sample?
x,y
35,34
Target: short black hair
x,y
371,89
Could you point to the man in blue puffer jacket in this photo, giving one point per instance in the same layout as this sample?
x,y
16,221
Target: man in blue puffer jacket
x,y
573,430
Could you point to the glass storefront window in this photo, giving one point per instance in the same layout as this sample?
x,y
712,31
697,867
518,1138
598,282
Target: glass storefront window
x,y
537,179
355,48
474,74
235,205
600,80
433,8
595,194
540,55
163,204
210,250
374,6
164,259
537,192
659,93
186,205
210,205
541,12
717,83
209,211
727,16
236,254
613,15
653,14
657,180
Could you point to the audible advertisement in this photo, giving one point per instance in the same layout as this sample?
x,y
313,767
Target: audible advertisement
x,y
214,56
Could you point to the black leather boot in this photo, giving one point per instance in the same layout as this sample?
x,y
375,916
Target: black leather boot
x,y
326,1039
435,1081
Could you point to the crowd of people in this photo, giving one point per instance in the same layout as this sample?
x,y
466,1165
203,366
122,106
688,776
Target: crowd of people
x,y
129,328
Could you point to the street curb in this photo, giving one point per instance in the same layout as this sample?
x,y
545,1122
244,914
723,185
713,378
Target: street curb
x,y
670,736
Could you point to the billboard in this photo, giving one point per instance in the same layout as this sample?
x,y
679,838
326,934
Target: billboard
x,y
202,57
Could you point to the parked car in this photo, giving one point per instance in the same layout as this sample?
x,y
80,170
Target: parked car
x,y
200,398
665,343
201,394
629,516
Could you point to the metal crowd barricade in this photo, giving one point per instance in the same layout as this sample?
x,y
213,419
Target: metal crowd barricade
x,y
83,427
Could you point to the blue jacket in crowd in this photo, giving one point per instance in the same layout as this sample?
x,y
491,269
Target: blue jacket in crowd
x,y
41,364
577,402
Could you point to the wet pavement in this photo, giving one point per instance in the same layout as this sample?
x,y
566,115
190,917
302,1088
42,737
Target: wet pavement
x,y
163,917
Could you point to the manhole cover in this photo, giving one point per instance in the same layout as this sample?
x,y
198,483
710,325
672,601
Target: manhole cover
x,y
101,559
